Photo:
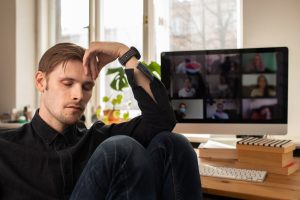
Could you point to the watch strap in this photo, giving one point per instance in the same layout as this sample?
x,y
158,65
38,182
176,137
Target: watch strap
x,y
145,71
129,54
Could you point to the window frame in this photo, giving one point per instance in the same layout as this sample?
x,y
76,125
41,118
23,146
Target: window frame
x,y
47,34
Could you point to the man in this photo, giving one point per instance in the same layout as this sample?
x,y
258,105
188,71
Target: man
x,y
220,114
187,91
180,113
189,67
52,157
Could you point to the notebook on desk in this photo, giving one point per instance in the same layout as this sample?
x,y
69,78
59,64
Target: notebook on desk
x,y
218,149
196,138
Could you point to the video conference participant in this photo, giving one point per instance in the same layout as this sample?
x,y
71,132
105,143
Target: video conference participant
x,y
223,87
258,64
188,90
262,88
261,109
189,66
220,114
180,112
261,63
260,113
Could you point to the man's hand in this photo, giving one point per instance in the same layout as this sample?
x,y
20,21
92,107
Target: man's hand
x,y
100,54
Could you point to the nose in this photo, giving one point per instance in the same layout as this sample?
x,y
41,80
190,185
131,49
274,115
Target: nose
x,y
77,93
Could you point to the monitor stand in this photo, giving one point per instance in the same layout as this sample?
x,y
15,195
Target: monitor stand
x,y
245,136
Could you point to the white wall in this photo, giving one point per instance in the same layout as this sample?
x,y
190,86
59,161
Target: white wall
x,y
269,23
7,56
25,53
17,54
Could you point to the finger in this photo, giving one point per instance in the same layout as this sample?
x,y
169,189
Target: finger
x,y
93,67
86,61
90,52
93,49
97,67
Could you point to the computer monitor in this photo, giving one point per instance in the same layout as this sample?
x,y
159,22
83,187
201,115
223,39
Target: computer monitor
x,y
232,91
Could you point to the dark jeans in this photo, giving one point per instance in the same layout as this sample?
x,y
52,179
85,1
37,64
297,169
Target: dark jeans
x,y
121,168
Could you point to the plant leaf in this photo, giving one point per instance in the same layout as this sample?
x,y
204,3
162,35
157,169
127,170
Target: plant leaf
x,y
113,84
114,102
126,116
105,99
119,98
114,70
155,69
119,81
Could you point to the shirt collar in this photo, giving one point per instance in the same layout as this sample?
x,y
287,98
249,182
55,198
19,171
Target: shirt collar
x,y
47,133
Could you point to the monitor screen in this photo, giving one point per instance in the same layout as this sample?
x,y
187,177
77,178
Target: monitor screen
x,y
232,91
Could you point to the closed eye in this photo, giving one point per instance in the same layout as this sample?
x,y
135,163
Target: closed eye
x,y
88,86
67,83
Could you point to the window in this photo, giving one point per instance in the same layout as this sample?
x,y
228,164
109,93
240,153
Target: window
x,y
195,25
72,19
170,25
121,23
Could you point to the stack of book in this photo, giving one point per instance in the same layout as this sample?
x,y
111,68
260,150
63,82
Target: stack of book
x,y
274,156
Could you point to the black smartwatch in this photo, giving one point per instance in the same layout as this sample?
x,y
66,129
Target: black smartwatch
x,y
129,54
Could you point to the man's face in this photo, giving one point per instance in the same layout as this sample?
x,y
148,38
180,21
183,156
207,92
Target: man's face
x,y
66,95
187,84
220,107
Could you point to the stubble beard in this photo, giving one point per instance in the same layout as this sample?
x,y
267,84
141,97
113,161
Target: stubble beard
x,y
69,118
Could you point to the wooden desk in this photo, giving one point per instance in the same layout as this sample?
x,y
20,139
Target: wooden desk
x,y
274,187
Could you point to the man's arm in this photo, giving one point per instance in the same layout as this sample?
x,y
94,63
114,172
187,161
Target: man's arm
x,y
157,116
101,53
140,78
150,93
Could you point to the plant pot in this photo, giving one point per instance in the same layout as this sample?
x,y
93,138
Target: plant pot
x,y
113,116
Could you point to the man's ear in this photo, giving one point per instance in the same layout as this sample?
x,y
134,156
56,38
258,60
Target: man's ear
x,y
40,81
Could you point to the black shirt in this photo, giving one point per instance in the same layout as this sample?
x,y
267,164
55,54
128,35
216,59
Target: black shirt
x,y
36,162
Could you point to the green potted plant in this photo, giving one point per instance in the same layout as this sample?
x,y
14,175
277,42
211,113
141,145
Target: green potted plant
x,y
119,83
113,114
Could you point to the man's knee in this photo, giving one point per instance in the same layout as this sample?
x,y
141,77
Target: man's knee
x,y
123,149
119,162
120,143
174,139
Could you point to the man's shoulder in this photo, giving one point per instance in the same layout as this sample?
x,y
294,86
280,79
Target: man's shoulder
x,y
98,132
98,126
15,133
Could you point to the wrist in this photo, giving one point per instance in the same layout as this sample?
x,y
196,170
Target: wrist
x,y
128,55
123,50
132,63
